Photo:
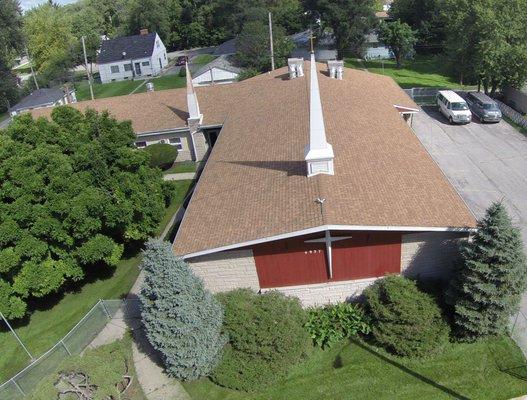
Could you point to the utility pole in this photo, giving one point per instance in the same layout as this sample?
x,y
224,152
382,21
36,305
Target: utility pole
x,y
271,40
32,72
16,336
86,64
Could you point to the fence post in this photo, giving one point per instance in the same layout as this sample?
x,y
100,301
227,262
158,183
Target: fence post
x,y
101,301
18,387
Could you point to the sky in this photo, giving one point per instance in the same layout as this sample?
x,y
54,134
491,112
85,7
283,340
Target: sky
x,y
28,4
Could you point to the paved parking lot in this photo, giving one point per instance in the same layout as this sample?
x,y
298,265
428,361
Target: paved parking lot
x,y
484,162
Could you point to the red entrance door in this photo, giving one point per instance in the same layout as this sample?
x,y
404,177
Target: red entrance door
x,y
290,262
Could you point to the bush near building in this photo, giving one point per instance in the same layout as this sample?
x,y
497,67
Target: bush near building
x,y
182,319
491,278
161,155
330,324
404,320
266,338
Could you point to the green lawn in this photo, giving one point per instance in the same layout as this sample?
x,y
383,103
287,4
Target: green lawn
x,y
53,317
101,90
423,71
202,59
492,369
122,88
183,166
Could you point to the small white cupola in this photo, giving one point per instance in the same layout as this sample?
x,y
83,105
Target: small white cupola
x,y
336,69
296,67
318,153
194,115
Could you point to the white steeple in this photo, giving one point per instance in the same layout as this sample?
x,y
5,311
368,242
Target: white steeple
x,y
192,99
318,153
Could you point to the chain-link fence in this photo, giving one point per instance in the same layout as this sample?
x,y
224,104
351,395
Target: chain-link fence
x,y
518,331
75,341
423,96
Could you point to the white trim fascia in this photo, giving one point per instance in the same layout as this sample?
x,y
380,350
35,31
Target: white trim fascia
x,y
323,284
408,109
323,228
163,132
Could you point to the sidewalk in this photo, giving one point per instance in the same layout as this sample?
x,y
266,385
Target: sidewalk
x,y
182,176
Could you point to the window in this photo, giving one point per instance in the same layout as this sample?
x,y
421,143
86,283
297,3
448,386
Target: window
x,y
176,142
140,145
114,69
146,63
165,54
157,43
127,67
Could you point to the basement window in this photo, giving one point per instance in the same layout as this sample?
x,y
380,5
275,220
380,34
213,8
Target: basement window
x,y
114,69
176,142
140,145
146,63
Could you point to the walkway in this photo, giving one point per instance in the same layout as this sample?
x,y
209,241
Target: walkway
x,y
181,176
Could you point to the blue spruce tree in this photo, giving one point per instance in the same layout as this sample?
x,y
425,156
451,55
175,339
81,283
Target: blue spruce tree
x,y
182,319
489,283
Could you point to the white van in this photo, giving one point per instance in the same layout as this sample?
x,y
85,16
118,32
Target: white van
x,y
453,107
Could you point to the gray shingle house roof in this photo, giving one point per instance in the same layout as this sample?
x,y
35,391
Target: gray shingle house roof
x,y
39,98
137,46
223,62
226,48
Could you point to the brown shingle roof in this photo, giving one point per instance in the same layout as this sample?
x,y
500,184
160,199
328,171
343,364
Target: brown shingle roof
x,y
255,186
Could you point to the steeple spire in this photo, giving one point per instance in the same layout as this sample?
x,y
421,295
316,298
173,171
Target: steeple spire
x,y
192,99
318,153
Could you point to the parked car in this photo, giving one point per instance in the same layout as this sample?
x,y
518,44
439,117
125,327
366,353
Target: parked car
x,y
483,107
453,107
181,60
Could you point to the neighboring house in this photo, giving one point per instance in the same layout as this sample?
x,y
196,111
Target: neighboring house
x,y
316,186
324,46
219,71
43,98
517,99
132,57
375,49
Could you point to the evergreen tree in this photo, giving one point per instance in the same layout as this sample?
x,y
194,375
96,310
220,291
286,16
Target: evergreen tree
x,y
488,286
182,319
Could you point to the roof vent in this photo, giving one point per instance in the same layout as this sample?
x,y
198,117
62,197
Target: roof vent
x,y
143,32
296,67
336,69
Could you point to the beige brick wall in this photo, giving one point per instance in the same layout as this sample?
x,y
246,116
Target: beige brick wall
x,y
326,293
227,270
430,254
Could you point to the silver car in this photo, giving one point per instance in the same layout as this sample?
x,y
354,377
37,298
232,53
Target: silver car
x,y
483,107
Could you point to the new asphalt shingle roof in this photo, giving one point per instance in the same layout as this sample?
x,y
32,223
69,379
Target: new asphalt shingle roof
x,y
39,98
137,46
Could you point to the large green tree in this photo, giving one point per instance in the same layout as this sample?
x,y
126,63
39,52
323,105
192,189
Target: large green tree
x,y
400,38
487,41
488,285
424,16
11,40
350,21
73,191
149,14
253,46
50,41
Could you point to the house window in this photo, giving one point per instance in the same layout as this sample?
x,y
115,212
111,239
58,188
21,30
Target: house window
x,y
114,69
157,43
165,54
127,67
140,145
176,142
146,63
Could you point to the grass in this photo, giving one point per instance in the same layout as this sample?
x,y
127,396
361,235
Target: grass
x,y
202,59
518,127
53,316
122,88
180,167
422,71
491,369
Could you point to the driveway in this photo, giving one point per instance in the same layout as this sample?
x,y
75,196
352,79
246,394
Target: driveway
x,y
484,162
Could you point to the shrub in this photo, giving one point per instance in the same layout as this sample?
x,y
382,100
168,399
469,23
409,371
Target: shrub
x,y
182,72
266,335
181,318
161,155
487,288
405,320
332,323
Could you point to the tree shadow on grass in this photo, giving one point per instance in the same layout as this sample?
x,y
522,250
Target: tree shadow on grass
x,y
408,371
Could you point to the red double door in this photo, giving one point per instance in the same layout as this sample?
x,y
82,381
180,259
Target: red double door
x,y
299,261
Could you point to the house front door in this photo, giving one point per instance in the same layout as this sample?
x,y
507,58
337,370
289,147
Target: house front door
x,y
138,68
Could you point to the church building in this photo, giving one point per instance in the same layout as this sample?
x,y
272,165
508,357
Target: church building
x,y
314,185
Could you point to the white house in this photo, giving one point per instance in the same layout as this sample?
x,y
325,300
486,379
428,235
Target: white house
x,y
220,70
132,57
43,98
